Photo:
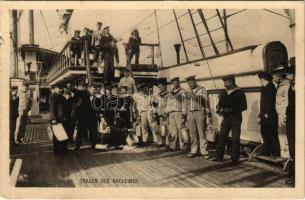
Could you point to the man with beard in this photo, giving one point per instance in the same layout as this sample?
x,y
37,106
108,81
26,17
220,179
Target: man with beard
x,y
231,104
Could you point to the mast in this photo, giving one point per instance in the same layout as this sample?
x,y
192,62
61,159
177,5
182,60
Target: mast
x,y
158,34
226,27
31,26
14,43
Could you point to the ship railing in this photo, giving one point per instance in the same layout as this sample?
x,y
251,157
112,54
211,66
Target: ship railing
x,y
63,61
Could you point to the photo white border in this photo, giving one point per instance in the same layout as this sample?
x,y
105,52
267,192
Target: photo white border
x,y
150,193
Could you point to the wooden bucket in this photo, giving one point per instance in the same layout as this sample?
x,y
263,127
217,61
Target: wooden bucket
x,y
101,147
185,135
211,133
163,130
139,130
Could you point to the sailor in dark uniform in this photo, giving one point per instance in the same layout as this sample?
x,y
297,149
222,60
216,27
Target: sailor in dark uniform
x,y
76,47
87,118
87,37
290,122
96,42
231,104
125,106
14,103
268,117
56,105
111,103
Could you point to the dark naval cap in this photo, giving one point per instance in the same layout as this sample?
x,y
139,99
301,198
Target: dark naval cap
x,y
190,78
106,28
229,77
85,84
162,81
77,31
176,79
99,23
264,75
14,87
280,69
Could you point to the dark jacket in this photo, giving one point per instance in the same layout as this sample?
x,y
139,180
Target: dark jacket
x,y
106,45
134,44
84,109
76,45
267,101
236,101
14,103
290,111
57,106
87,38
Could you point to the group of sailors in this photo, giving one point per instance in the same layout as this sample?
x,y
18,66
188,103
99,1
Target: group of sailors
x,y
103,117
102,48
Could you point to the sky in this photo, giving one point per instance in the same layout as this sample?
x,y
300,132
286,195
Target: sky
x,y
249,27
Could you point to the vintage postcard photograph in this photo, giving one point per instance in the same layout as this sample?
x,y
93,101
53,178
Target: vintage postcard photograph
x,y
120,99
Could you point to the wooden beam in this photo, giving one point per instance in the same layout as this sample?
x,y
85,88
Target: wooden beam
x,y
182,41
149,44
88,69
208,30
15,172
224,29
225,24
197,35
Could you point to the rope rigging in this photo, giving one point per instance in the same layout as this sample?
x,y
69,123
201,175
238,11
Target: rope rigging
x,y
45,24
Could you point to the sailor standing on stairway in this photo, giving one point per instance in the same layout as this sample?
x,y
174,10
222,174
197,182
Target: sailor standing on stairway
x,y
96,42
107,47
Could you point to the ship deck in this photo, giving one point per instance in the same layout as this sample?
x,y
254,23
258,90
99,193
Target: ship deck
x,y
144,167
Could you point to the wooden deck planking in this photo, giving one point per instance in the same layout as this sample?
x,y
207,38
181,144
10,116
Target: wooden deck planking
x,y
151,166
